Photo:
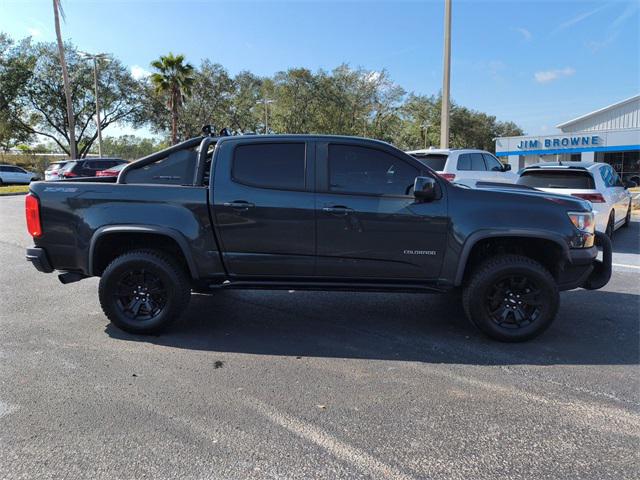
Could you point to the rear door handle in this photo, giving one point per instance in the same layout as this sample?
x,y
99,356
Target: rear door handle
x,y
338,210
239,205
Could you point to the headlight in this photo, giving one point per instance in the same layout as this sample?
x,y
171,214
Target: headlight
x,y
585,223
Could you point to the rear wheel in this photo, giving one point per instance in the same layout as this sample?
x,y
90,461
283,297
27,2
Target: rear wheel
x,y
143,291
511,298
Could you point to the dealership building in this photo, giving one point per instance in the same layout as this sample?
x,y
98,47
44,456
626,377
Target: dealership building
x,y
611,135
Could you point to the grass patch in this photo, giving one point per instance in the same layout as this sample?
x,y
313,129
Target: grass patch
x,y
12,189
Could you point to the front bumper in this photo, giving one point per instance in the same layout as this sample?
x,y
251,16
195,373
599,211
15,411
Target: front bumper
x,y
38,257
601,273
584,270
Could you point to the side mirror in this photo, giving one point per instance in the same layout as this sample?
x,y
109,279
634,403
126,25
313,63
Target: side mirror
x,y
506,167
424,189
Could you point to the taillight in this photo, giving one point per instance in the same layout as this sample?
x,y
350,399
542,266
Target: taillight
x,y
592,197
32,211
69,174
448,176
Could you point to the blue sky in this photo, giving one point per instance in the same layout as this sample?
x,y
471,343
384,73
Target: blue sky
x,y
537,63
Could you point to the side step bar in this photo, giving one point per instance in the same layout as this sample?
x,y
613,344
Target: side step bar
x,y
325,286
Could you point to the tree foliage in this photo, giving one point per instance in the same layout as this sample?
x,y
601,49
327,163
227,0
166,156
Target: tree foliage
x,y
173,81
40,106
178,99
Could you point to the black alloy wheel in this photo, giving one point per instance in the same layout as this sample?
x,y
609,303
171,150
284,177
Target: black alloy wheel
x,y
511,298
513,302
140,295
143,291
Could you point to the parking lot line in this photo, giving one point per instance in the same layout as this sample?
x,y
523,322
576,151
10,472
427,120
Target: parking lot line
x,y
624,265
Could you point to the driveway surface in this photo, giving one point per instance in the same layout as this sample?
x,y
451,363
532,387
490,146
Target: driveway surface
x,y
253,385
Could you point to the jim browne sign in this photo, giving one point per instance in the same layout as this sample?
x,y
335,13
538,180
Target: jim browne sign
x,y
559,142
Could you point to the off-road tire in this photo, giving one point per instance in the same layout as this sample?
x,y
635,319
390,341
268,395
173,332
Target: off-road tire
x,y
163,271
484,280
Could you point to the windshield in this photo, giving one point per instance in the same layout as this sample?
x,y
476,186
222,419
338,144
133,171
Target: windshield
x,y
571,179
55,166
436,161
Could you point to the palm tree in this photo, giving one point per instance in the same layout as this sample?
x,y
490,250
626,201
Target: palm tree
x,y
57,13
174,79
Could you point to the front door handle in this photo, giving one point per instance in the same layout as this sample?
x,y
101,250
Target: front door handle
x,y
338,210
239,205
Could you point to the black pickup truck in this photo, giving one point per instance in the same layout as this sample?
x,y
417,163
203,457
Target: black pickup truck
x,y
314,213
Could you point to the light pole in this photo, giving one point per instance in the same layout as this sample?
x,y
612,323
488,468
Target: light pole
x,y
265,101
444,116
425,129
95,58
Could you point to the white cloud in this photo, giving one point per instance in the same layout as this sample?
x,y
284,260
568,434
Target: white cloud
x,y
526,34
578,18
139,73
547,76
34,32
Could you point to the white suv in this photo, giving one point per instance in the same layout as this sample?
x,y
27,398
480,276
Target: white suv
x,y
465,164
597,182
12,174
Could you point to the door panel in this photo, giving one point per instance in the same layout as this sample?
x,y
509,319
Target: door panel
x,y
265,231
380,237
367,235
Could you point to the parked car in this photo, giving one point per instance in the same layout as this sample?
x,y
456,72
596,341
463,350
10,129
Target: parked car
x,y
596,182
13,174
111,172
52,171
314,213
88,167
465,164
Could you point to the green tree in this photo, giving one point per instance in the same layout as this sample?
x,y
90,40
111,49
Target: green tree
x,y
15,71
130,147
210,100
173,81
41,105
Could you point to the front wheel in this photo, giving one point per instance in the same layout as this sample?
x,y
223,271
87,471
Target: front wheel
x,y
511,298
143,291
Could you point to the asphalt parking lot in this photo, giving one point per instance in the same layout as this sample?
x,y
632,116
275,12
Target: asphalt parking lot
x,y
313,385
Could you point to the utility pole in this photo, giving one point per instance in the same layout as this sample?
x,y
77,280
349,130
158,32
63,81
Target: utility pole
x,y
57,12
265,101
95,58
446,77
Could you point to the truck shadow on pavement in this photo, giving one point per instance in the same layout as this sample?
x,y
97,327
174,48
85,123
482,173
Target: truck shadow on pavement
x,y
592,328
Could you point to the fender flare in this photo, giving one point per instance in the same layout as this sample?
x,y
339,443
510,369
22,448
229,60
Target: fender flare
x,y
477,236
150,229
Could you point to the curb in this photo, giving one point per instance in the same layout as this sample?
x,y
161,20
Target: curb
x,y
12,194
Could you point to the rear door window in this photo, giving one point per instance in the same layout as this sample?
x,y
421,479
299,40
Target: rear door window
x,y
570,179
471,161
270,165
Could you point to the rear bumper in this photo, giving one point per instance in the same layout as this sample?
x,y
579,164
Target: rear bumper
x,y
38,257
584,269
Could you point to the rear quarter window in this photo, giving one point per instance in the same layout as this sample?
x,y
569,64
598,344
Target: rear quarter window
x,y
570,179
177,168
